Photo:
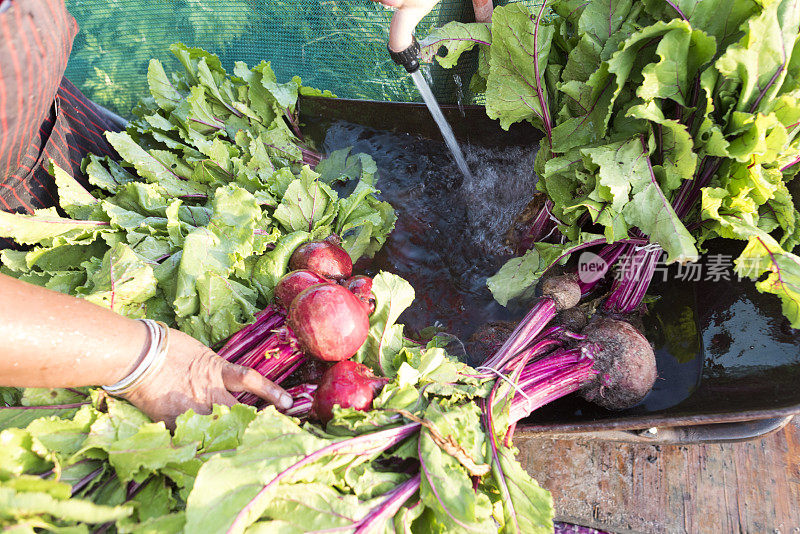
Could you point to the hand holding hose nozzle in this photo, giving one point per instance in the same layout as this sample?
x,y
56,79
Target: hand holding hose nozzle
x,y
403,47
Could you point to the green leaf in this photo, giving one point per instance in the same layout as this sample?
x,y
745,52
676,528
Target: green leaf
x,y
385,340
226,484
759,60
20,505
222,429
607,23
626,181
18,453
59,439
446,486
683,52
61,258
215,250
342,166
122,282
165,524
109,178
311,507
22,416
152,169
28,483
512,90
449,42
120,421
533,505
72,197
10,396
45,396
143,453
719,18
307,204
518,277
161,88
764,255
46,224
274,264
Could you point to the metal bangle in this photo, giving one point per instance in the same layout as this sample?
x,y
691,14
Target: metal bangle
x,y
158,340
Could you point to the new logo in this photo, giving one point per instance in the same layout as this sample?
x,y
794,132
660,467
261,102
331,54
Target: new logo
x,y
591,267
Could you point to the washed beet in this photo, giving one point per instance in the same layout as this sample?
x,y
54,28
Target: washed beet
x,y
626,363
564,290
293,283
347,384
361,287
325,258
330,323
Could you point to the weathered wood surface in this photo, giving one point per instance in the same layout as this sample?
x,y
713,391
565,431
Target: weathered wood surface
x,y
736,487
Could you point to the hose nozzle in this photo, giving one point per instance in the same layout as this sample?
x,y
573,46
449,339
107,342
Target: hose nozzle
x,y
408,58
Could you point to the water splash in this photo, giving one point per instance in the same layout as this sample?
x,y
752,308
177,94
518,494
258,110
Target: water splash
x,y
444,127
501,187
451,229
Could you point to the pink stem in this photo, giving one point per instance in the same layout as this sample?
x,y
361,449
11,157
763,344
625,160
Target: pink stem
x,y
396,498
551,388
541,313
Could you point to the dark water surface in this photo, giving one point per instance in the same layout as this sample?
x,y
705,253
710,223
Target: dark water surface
x,y
450,231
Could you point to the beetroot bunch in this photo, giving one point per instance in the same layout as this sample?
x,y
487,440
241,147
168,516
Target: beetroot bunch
x,y
320,320
320,316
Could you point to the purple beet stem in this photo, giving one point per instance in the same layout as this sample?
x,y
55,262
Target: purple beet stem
x,y
267,345
389,507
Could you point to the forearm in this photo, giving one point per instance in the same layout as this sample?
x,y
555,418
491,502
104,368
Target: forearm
x,y
53,340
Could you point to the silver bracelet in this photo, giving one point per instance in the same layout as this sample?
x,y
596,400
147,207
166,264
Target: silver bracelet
x,y
158,339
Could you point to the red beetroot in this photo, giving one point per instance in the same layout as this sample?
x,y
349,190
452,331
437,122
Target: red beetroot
x,y
293,283
330,323
626,363
347,384
325,258
361,287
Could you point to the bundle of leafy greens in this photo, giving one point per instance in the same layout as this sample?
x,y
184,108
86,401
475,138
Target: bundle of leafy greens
x,y
666,124
197,221
418,461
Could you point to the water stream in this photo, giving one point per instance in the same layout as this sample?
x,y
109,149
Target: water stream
x,y
444,127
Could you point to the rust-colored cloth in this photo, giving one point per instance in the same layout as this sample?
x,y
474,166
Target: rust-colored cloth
x,y
42,115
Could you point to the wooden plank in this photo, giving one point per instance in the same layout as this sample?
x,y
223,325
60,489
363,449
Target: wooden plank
x,y
734,487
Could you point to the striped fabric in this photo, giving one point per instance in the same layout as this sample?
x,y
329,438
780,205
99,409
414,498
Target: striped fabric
x,y
42,115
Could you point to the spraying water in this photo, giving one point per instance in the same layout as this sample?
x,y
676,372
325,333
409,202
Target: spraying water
x,y
450,233
444,127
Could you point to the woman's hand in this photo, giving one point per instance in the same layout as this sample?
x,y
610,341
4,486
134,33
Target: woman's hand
x,y
405,20
194,377
52,340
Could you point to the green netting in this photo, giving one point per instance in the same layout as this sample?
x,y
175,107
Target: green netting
x,y
338,45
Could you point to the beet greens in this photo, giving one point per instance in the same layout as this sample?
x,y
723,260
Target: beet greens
x,y
661,131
